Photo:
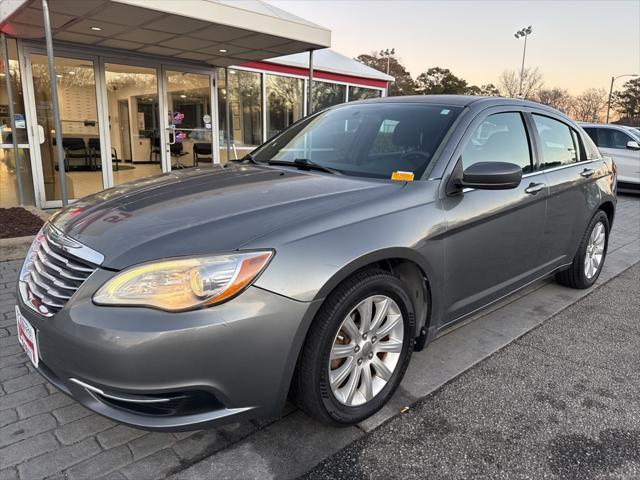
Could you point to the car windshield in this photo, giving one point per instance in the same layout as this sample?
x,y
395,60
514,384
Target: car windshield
x,y
634,133
369,140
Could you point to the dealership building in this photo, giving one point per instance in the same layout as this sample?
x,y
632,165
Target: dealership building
x,y
150,86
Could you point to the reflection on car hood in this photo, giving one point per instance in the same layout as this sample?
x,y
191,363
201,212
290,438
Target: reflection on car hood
x,y
196,212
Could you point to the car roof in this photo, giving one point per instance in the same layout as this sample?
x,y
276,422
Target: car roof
x,y
605,125
456,100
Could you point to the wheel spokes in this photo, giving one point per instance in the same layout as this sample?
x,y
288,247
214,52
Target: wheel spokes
x,y
366,312
341,351
367,383
350,328
381,312
340,374
381,369
389,325
352,384
389,346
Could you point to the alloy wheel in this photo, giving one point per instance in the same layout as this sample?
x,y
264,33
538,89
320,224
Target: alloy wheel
x,y
366,350
595,250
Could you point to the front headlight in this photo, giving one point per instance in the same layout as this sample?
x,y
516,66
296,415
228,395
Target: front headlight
x,y
183,283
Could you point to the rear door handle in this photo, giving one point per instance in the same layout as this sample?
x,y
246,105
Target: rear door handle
x,y
534,188
587,172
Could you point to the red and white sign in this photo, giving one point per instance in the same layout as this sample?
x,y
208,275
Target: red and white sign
x,y
27,337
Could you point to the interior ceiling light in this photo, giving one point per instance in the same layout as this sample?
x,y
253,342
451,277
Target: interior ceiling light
x,y
183,96
96,29
223,50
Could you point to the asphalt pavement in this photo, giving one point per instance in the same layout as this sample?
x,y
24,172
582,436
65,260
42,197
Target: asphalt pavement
x,y
562,401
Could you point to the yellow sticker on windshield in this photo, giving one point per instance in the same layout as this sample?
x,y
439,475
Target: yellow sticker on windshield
x,y
402,176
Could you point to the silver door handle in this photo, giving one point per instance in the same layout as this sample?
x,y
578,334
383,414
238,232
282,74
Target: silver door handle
x,y
534,188
587,172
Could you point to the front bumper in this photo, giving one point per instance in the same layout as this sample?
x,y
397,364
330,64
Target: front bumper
x,y
235,359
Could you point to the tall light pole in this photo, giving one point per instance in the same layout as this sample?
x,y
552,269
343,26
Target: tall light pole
x,y
525,32
613,79
387,53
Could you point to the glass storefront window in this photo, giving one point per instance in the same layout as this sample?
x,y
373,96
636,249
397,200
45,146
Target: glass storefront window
x,y
327,94
245,105
245,112
284,102
362,93
134,127
8,164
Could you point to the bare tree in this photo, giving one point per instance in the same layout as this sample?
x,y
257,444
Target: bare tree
x,y
557,98
531,82
590,105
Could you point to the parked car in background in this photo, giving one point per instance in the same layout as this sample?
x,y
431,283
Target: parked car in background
x,y
315,266
621,143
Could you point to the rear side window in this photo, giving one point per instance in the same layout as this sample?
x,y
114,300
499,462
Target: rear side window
x,y
559,142
499,138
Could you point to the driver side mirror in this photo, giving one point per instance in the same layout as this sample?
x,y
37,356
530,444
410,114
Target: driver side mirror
x,y
491,176
633,145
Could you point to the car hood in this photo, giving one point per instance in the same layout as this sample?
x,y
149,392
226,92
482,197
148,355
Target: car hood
x,y
204,211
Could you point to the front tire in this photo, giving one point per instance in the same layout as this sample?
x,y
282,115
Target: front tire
x,y
357,349
587,263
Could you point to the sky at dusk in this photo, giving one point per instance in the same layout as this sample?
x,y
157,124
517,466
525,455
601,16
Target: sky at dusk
x,y
576,44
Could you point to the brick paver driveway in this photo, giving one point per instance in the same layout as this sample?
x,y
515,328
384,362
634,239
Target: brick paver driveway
x,y
44,433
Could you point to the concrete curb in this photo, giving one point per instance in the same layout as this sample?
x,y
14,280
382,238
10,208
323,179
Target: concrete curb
x,y
14,248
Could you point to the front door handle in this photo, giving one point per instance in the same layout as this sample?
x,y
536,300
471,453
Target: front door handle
x,y
534,188
587,172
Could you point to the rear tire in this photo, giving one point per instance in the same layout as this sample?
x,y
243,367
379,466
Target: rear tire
x,y
366,327
592,251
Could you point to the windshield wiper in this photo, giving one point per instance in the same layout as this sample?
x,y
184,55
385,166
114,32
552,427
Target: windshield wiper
x,y
248,157
305,164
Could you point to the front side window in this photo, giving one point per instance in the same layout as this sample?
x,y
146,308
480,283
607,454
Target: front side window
x,y
499,138
558,143
370,140
612,138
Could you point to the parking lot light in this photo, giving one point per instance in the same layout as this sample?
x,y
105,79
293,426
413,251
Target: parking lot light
x,y
525,32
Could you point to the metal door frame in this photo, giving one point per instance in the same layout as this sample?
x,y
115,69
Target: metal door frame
x,y
24,52
213,106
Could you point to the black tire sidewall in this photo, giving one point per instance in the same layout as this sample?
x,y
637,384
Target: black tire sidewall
x,y
393,288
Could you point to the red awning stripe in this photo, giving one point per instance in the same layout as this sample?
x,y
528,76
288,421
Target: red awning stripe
x,y
336,77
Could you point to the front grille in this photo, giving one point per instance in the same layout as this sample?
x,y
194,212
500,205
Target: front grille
x,y
51,276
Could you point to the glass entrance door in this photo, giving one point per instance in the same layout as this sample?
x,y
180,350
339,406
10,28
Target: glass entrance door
x,y
189,122
134,121
80,122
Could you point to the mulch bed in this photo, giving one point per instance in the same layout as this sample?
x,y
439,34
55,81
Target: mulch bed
x,y
18,222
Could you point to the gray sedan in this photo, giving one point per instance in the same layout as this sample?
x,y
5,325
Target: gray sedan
x,y
314,267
